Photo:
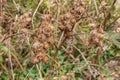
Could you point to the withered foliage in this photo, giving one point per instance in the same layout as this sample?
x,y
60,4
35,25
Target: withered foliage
x,y
96,35
69,19
80,31
43,40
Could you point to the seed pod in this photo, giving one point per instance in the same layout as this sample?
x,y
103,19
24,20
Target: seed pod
x,y
62,18
68,34
72,11
43,37
50,40
51,27
71,75
92,25
47,29
34,60
100,36
45,60
67,15
68,27
37,32
62,27
73,21
46,45
28,19
26,15
63,78
25,31
103,4
46,17
118,30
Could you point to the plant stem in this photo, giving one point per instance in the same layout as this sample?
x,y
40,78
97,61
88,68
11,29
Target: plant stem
x,y
56,52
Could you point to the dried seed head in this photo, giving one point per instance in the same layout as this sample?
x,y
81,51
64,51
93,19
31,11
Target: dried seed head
x,y
68,27
28,19
36,44
71,75
68,34
62,27
25,31
63,78
73,21
44,37
62,18
45,60
4,3
80,10
46,17
51,40
46,45
92,25
51,27
26,15
37,32
118,30
103,4
96,35
100,36
67,15
46,30
72,11
34,60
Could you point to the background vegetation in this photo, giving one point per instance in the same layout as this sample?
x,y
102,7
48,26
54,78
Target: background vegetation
x,y
59,40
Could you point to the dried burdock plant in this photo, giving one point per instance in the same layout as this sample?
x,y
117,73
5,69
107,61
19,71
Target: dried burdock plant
x,y
11,24
43,40
67,22
67,76
69,19
3,3
96,39
24,20
39,57
103,4
58,35
4,20
96,35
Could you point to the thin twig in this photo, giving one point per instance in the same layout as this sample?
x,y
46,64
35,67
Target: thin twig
x,y
108,13
17,61
10,56
114,21
89,68
69,54
16,5
9,37
29,72
96,7
58,46
39,70
4,67
40,2
61,41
